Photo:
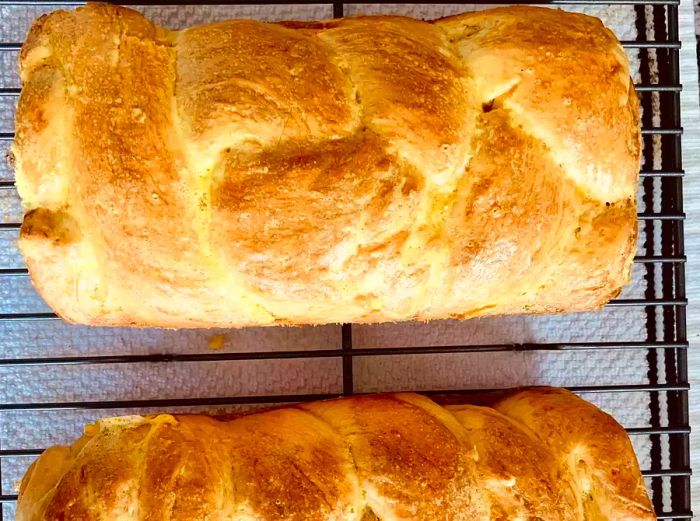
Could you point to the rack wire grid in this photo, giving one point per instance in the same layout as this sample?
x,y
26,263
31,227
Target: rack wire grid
x,y
629,358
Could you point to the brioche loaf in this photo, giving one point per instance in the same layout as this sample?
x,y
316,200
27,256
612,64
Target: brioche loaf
x,y
538,454
356,170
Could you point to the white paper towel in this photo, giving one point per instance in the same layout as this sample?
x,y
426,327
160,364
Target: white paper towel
x,y
18,339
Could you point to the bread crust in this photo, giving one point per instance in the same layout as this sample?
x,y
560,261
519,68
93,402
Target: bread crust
x,y
361,170
539,453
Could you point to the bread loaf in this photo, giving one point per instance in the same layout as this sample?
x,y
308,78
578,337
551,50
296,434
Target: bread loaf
x,y
356,170
538,454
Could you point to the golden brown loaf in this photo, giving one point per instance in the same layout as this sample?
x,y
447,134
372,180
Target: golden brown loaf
x,y
357,170
538,454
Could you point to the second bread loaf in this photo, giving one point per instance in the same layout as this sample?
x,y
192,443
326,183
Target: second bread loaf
x,y
538,454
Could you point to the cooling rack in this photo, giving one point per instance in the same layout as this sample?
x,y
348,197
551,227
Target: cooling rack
x,y
629,358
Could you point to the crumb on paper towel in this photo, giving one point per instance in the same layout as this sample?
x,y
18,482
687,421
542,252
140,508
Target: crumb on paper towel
x,y
216,342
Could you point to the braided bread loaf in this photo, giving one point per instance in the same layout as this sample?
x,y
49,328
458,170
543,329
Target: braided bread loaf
x,y
538,454
356,170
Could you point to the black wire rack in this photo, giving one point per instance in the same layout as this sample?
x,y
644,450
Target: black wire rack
x,y
661,304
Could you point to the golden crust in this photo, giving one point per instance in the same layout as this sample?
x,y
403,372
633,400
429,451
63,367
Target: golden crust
x,y
563,79
536,454
358,170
